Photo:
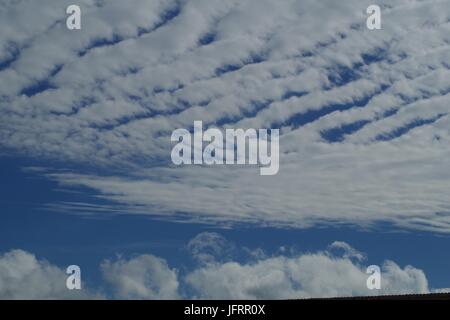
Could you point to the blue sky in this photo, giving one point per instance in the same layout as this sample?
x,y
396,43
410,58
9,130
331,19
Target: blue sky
x,y
85,148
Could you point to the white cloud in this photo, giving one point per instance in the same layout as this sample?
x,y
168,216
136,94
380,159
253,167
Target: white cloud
x,y
142,277
23,276
303,276
110,95
348,251
316,274
209,247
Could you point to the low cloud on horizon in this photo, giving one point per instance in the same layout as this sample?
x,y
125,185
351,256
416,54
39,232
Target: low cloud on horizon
x,y
338,271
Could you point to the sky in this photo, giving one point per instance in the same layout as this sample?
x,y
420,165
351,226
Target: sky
x,y
87,178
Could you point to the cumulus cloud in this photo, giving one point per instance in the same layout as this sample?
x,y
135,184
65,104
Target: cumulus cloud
x,y
363,114
348,251
209,247
294,276
304,276
142,277
23,276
